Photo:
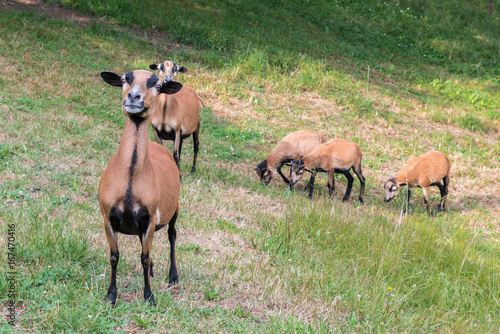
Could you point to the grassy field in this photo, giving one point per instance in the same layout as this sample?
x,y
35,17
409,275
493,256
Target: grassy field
x,y
397,77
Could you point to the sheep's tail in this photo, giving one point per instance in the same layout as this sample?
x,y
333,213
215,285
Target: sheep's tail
x,y
199,98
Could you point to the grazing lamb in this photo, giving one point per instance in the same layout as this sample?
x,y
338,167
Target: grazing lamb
x,y
335,156
139,189
293,146
426,170
176,117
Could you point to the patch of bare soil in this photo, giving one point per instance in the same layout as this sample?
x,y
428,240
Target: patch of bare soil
x,y
53,11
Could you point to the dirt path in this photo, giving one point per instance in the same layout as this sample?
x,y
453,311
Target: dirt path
x,y
54,11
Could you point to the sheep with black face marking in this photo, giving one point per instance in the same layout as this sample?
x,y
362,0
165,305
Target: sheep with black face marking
x,y
426,170
139,189
177,116
291,147
335,156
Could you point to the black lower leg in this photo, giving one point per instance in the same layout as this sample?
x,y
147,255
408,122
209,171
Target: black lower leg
x,y
311,184
113,260
196,147
408,196
278,169
442,190
148,295
172,235
350,180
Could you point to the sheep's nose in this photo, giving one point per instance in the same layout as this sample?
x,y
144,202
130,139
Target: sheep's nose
x,y
134,97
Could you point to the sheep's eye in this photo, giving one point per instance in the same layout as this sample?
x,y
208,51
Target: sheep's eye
x,y
393,189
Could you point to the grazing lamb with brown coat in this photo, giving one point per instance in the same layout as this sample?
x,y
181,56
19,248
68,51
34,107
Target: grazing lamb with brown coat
x,y
335,156
426,170
291,147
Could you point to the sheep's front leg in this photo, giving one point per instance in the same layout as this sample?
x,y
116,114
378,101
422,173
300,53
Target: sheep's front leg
x,y
147,241
177,143
408,196
114,257
426,198
311,184
331,183
278,169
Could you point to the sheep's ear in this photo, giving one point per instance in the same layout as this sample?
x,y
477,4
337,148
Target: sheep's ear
x,y
112,78
153,67
170,87
183,69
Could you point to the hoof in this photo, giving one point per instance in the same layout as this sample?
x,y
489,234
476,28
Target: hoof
x,y
173,280
111,299
151,301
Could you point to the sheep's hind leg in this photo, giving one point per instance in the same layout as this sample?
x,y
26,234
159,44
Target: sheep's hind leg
x,y
444,194
173,277
196,147
350,181
362,181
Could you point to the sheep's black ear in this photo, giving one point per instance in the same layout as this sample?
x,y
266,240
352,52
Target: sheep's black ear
x,y
153,67
183,69
112,78
170,87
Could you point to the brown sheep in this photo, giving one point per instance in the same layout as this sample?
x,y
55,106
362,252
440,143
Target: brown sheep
x,y
426,170
176,117
139,189
291,147
335,156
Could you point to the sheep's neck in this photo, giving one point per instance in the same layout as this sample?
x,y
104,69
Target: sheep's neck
x,y
133,148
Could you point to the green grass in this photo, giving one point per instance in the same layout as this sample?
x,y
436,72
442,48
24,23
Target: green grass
x,y
398,78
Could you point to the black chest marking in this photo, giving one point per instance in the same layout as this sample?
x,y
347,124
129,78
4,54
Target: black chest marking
x,y
134,222
134,218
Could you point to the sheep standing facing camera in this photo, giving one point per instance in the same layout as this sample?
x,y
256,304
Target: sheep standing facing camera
x,y
426,170
139,189
177,116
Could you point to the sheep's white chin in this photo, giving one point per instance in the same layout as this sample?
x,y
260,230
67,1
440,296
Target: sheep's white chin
x,y
133,109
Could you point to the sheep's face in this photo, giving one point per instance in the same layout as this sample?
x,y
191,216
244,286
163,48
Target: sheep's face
x,y
264,172
168,70
139,90
297,171
391,189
